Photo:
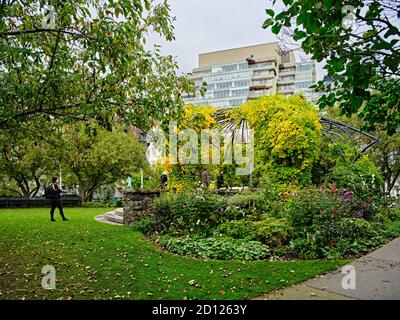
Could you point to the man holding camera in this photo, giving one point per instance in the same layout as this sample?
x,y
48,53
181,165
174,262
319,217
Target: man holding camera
x,y
55,199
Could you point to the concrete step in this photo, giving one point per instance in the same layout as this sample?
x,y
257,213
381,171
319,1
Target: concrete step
x,y
119,211
113,217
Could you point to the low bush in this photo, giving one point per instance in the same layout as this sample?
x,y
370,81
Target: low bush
x,y
304,206
188,212
223,248
96,204
145,226
102,204
271,231
333,238
312,223
362,176
393,229
305,247
280,251
249,202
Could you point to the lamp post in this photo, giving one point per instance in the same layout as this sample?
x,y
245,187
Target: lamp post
x,y
59,163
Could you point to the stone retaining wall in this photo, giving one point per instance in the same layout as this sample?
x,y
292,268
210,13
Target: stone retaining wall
x,y
138,204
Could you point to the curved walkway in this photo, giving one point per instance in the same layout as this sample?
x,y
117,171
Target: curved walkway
x,y
377,277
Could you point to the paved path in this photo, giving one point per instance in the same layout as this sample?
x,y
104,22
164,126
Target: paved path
x,y
377,278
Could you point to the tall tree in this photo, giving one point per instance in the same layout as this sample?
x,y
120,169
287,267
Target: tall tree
x,y
86,59
386,153
359,40
96,157
22,163
387,157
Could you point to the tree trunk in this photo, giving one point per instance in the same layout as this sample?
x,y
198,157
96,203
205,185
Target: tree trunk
x,y
24,190
34,191
86,192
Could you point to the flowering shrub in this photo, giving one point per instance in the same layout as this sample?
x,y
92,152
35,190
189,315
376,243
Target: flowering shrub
x,y
362,176
316,222
332,223
304,207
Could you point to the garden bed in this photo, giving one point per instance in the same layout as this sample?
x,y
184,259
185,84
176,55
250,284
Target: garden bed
x,y
314,223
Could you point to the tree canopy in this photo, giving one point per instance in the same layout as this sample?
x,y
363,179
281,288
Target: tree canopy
x,y
93,156
359,41
86,59
286,137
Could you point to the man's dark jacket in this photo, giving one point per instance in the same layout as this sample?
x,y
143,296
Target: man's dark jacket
x,y
55,192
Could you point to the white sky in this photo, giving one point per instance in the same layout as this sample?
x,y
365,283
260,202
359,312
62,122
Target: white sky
x,y
210,25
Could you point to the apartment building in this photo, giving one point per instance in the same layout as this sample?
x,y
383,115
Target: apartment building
x,y
235,75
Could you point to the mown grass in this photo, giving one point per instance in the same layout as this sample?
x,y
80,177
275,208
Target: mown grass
x,y
99,261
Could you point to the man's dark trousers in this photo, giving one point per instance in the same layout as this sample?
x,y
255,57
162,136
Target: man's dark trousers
x,y
56,203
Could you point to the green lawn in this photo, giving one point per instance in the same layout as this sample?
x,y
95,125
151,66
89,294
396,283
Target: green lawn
x,y
99,261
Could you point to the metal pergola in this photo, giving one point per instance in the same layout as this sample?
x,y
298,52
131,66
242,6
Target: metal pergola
x,y
333,130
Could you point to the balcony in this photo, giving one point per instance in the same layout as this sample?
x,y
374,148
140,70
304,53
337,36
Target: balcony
x,y
287,71
286,81
286,91
263,75
261,85
258,93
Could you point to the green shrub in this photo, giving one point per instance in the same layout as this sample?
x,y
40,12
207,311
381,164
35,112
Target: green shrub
x,y
393,229
97,204
362,176
350,236
304,206
119,203
222,248
145,226
280,251
311,204
249,202
333,237
271,231
388,209
305,248
190,212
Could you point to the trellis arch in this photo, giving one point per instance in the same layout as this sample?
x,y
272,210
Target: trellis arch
x,y
333,130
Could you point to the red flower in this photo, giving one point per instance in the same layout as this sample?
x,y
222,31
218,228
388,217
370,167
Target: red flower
x,y
331,244
334,211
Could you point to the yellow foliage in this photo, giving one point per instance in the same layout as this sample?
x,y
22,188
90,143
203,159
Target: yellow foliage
x,y
198,117
287,131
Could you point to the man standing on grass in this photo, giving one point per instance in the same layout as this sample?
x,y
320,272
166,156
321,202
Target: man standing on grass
x,y
55,199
